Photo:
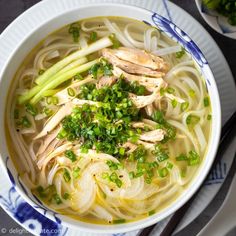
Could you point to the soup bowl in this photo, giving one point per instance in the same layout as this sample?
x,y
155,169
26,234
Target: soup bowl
x,y
151,18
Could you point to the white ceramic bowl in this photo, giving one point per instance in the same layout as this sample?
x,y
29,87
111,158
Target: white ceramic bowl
x,y
218,22
107,10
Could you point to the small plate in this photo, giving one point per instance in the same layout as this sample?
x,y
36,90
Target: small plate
x,y
218,22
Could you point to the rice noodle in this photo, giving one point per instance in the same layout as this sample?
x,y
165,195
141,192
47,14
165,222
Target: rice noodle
x,y
165,51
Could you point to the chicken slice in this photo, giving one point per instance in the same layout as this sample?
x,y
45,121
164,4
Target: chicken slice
x,y
142,125
129,66
153,136
142,101
141,58
64,111
106,81
130,146
148,82
149,109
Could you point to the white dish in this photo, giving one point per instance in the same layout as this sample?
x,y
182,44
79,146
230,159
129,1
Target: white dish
x,y
218,22
161,7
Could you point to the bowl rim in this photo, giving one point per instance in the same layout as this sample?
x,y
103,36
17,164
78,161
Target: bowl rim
x,y
177,203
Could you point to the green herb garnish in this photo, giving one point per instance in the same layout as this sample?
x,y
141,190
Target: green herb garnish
x,y
119,221
31,109
70,155
206,101
93,36
66,175
116,43
74,30
180,53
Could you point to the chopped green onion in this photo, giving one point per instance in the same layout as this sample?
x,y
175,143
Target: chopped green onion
x,y
74,29
152,212
122,151
181,157
114,166
191,93
93,36
25,122
31,109
114,40
57,199
174,103
170,90
55,100
115,179
76,172
192,120
169,165
163,172
41,72
131,174
160,153
49,100
70,155
66,175
209,117
119,221
184,106
78,77
66,196
118,183
47,111
62,134
194,158
105,175
40,191
162,91
71,92
162,156
180,53
206,101
158,116
148,180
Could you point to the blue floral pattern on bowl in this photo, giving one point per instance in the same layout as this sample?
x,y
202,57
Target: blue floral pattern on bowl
x,y
27,215
180,36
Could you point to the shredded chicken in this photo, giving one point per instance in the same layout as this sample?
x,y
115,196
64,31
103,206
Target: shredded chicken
x,y
130,67
142,101
149,109
142,125
130,146
141,58
153,136
55,120
149,83
47,140
147,145
106,81
64,111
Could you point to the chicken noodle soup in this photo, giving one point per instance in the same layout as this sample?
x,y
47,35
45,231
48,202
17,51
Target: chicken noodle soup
x,y
109,120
